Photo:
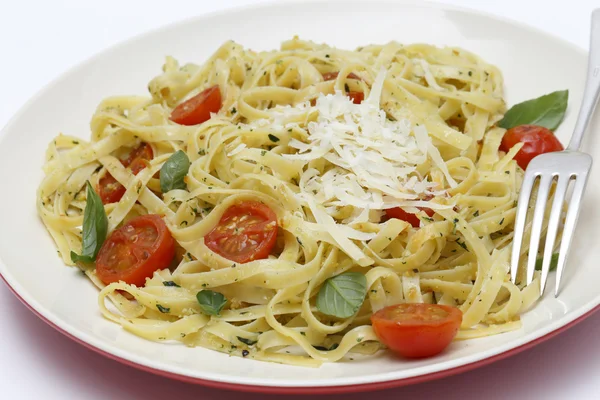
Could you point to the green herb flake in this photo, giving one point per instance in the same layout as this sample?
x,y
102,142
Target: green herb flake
x,y
273,138
170,284
162,309
476,213
263,152
247,342
462,244
454,222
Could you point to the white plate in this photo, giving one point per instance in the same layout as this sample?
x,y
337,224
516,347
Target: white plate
x,y
533,63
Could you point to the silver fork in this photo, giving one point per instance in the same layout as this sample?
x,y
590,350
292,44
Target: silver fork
x,y
561,167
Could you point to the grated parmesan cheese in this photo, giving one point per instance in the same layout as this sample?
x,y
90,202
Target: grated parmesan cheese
x,y
374,159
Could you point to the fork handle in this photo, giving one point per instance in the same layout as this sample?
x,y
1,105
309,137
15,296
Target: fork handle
x,y
592,84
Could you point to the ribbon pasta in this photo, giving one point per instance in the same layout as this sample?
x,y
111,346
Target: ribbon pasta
x,y
457,257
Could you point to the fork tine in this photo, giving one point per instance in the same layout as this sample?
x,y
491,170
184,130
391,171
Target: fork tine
x,y
553,221
536,224
520,218
570,222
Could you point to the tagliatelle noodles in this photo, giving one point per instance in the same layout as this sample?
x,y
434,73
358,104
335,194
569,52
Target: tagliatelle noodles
x,y
424,136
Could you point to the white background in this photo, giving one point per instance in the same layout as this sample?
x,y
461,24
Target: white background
x,y
41,39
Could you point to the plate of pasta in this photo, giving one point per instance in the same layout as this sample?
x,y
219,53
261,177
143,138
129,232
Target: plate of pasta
x,y
300,209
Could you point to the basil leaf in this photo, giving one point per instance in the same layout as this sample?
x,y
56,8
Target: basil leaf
x,y
547,111
95,228
341,296
173,171
553,262
211,302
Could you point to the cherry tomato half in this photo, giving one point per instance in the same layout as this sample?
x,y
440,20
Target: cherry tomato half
x,y
356,97
197,109
329,76
411,218
109,189
537,140
143,151
134,251
417,330
246,232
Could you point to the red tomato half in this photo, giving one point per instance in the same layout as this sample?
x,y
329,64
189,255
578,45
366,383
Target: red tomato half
x,y
356,97
138,165
417,330
246,232
537,140
329,76
143,151
134,251
197,109
412,219
109,189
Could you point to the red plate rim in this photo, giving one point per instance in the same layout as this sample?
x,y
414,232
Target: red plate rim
x,y
310,389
